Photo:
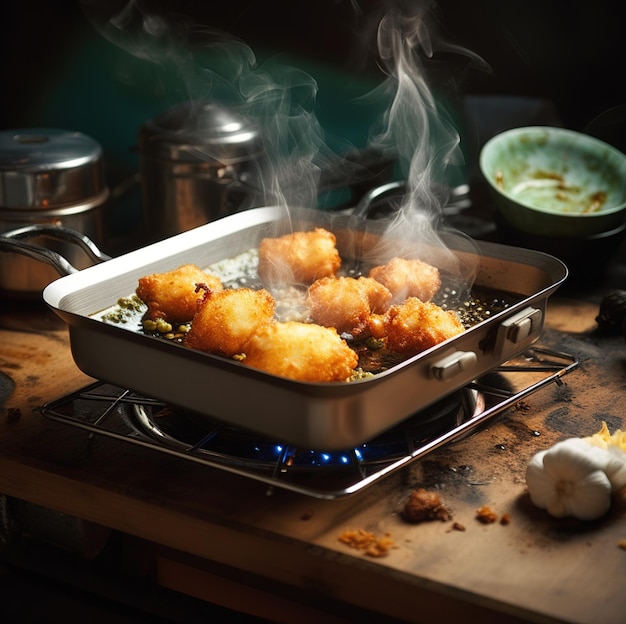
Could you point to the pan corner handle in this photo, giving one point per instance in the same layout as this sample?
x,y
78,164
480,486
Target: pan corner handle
x,y
453,363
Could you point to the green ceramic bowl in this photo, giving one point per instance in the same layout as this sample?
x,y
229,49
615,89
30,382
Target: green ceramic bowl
x,y
554,182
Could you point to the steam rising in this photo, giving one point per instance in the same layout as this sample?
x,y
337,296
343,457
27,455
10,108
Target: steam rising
x,y
425,141
210,64
294,140
415,127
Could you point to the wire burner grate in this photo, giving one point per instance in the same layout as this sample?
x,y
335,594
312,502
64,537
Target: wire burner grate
x,y
121,414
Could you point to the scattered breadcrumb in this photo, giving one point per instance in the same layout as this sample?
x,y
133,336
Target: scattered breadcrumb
x,y
367,542
486,515
424,506
505,519
456,526
622,544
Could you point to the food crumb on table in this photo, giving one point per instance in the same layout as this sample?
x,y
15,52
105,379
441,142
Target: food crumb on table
x,y
423,506
368,542
486,515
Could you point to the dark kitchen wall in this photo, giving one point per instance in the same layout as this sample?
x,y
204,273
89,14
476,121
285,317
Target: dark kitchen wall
x,y
571,52
57,69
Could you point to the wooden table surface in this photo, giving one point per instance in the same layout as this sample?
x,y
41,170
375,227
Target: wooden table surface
x,y
209,529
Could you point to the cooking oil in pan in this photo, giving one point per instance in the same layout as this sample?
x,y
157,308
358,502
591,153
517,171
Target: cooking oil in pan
x,y
241,271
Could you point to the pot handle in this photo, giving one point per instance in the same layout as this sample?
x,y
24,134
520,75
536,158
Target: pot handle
x,y
13,241
459,198
363,208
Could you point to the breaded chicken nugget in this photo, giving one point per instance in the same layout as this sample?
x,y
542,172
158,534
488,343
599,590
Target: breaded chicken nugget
x,y
300,257
415,326
226,319
408,278
172,296
346,303
301,351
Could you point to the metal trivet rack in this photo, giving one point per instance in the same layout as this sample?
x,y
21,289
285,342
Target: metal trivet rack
x,y
121,414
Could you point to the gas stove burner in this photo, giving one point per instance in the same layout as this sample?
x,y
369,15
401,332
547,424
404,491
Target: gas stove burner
x,y
185,431
121,414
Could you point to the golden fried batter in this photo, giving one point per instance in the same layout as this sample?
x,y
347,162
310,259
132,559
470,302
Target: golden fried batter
x,y
300,257
346,303
301,351
408,278
226,319
172,296
414,326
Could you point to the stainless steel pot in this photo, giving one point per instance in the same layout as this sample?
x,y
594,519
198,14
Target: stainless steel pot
x,y
199,161
51,177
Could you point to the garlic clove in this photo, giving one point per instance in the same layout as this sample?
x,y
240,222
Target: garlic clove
x,y
590,498
540,484
616,468
572,459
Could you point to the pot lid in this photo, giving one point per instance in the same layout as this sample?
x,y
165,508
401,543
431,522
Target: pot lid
x,y
201,131
48,168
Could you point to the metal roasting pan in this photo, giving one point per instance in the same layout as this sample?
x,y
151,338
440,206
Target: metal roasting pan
x,y
327,416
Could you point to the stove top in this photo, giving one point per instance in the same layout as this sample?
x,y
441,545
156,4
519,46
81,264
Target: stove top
x,y
124,415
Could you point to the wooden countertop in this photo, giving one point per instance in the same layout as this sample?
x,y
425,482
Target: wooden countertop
x,y
212,527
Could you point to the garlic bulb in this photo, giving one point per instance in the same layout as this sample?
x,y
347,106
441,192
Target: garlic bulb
x,y
576,477
567,481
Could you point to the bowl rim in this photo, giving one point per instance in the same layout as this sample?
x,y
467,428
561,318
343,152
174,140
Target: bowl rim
x,y
554,130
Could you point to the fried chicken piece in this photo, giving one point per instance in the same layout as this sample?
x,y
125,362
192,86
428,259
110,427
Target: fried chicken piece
x,y
301,351
300,257
346,303
172,296
414,326
408,278
226,319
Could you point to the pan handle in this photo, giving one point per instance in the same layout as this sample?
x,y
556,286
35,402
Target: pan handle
x,y
14,241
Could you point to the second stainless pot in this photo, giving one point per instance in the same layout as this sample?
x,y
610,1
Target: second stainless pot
x,y
199,161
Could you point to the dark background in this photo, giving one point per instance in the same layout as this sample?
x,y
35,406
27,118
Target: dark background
x,y
59,70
